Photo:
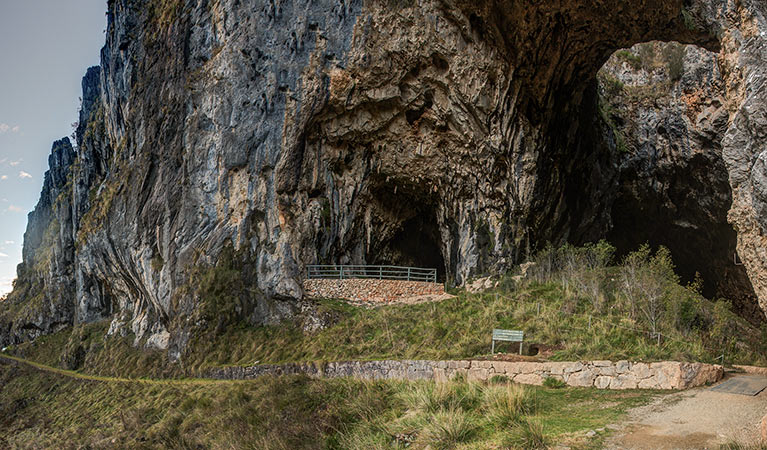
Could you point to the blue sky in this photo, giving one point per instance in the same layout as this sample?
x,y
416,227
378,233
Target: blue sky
x,y
45,48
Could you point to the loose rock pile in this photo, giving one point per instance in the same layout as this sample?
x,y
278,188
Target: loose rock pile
x,y
370,291
599,374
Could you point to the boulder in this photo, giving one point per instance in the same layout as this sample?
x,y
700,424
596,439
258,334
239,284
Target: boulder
x,y
584,378
529,378
622,366
624,381
641,370
602,382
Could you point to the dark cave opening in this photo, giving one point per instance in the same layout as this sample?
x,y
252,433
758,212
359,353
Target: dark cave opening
x,y
417,244
672,183
406,229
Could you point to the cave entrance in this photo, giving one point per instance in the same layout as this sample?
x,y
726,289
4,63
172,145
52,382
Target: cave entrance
x,y
408,229
662,108
417,244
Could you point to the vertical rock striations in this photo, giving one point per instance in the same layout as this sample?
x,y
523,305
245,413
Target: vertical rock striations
x,y
223,146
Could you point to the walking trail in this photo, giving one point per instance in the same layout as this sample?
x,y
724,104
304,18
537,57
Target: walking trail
x,y
694,419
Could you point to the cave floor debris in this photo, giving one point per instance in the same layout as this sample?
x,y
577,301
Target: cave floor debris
x,y
401,301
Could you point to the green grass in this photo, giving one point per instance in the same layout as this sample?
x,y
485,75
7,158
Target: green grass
x,y
573,303
554,383
453,329
44,407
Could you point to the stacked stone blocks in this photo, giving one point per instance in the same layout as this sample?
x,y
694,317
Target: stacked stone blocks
x,y
370,290
599,374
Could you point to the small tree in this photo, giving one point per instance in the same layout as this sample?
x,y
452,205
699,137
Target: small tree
x,y
631,270
645,280
658,275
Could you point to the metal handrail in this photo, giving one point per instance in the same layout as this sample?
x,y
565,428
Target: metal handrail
x,y
344,271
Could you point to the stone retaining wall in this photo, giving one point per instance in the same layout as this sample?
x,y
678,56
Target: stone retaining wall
x,y
600,374
752,370
370,290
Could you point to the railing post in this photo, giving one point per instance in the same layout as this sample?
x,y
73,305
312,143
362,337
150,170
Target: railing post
x,y
380,272
342,272
408,274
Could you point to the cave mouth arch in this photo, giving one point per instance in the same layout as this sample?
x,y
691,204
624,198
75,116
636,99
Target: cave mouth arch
x,y
663,107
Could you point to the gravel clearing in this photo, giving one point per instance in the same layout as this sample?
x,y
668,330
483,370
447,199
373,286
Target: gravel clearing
x,y
694,419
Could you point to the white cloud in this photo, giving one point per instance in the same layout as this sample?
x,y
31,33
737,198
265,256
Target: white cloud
x,y
16,163
9,242
14,208
4,177
6,285
23,174
5,128
3,255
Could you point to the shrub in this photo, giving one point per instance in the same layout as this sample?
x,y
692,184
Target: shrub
x,y
673,55
646,53
579,269
645,278
635,61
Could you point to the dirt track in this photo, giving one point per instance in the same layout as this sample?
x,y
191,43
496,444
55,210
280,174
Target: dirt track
x,y
694,419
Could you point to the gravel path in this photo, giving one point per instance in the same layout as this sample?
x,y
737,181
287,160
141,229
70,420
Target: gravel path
x,y
694,419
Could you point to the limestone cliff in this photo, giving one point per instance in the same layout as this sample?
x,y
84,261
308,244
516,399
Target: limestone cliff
x,y
665,104
224,145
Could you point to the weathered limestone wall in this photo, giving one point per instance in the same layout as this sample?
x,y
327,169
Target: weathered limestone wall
x,y
369,290
599,374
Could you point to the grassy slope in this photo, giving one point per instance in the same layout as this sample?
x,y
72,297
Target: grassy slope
x,y
455,328
45,408
572,301
41,409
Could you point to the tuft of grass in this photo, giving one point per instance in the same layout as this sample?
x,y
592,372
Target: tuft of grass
x,y
448,428
531,435
499,379
434,397
554,383
508,405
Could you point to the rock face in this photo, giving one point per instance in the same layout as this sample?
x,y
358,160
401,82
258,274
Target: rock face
x,y
223,146
666,107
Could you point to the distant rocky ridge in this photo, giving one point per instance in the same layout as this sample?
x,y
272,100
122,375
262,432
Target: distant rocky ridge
x,y
224,146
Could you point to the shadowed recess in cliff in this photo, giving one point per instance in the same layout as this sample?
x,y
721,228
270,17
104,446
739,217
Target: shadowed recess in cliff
x,y
664,109
413,238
